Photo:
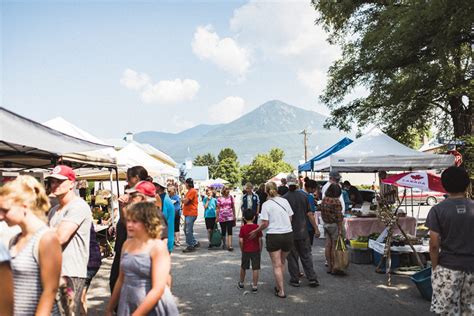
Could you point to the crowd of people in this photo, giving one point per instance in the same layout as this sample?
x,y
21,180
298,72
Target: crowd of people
x,y
48,267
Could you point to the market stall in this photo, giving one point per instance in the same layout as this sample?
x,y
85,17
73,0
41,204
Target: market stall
x,y
364,226
309,165
376,151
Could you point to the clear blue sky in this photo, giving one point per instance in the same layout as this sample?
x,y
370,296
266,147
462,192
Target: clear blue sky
x,y
116,66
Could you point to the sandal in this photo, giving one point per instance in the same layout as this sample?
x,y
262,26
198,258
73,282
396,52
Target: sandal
x,y
280,296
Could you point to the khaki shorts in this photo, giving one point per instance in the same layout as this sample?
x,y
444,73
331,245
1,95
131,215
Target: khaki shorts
x,y
331,231
453,292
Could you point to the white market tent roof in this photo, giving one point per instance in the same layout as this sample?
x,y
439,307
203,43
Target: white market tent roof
x,y
66,127
70,129
130,156
377,151
25,143
149,149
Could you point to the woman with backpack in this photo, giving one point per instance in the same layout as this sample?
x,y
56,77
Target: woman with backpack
x,y
36,253
225,214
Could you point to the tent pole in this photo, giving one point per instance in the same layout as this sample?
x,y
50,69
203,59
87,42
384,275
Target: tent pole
x,y
112,213
117,181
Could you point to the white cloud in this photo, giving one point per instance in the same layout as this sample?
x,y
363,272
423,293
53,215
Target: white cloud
x,y
227,110
286,28
167,91
162,92
314,79
225,53
134,80
285,32
181,124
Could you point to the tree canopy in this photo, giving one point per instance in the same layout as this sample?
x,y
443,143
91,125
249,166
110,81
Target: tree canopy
x,y
414,58
227,153
228,166
208,160
265,166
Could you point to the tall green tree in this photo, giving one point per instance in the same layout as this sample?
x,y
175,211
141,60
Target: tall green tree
x,y
227,153
208,160
228,167
265,166
414,58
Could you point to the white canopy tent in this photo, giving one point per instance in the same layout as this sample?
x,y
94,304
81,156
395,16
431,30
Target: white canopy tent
x,y
25,143
377,151
70,129
129,156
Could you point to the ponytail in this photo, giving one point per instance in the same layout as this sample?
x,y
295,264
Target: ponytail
x,y
271,189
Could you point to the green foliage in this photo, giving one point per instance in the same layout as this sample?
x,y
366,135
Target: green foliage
x,y
265,166
228,169
227,153
207,160
467,152
413,56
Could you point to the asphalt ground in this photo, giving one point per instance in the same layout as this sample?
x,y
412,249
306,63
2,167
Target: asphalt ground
x,y
205,283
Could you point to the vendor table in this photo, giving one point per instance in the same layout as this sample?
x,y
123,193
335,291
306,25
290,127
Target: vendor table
x,y
364,226
379,247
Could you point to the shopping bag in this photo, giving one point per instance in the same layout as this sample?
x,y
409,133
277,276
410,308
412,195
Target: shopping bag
x,y
216,237
341,256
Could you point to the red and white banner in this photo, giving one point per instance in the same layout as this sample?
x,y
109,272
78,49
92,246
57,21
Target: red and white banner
x,y
421,180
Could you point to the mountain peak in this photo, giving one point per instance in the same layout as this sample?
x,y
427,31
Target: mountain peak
x,y
272,124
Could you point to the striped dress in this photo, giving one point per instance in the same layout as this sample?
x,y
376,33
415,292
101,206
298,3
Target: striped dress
x,y
26,276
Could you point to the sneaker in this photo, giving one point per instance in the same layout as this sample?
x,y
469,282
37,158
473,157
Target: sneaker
x,y
197,245
295,283
209,247
177,244
254,289
240,285
314,283
189,249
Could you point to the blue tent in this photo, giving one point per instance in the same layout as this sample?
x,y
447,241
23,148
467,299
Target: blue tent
x,y
308,165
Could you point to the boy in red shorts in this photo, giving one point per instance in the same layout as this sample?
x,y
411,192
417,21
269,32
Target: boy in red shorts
x,y
251,249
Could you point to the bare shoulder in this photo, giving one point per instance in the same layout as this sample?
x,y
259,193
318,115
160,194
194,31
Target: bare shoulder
x,y
158,246
49,237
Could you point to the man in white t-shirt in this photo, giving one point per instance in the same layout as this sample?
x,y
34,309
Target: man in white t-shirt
x,y
334,177
72,220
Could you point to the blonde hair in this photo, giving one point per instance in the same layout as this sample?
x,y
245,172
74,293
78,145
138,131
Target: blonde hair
x,y
147,213
271,189
28,191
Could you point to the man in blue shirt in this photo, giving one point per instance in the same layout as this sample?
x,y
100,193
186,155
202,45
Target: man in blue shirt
x,y
167,209
177,212
310,187
251,201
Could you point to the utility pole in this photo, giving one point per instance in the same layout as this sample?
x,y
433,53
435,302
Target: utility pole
x,y
305,134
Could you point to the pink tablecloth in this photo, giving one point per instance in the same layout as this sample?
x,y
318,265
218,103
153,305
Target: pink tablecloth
x,y
359,226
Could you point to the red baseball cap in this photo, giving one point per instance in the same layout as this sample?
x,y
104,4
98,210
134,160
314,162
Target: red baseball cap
x,y
144,187
62,172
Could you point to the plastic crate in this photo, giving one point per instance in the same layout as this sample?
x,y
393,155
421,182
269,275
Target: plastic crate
x,y
360,255
422,280
359,244
395,258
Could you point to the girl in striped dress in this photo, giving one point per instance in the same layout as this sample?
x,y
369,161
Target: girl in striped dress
x,y
35,252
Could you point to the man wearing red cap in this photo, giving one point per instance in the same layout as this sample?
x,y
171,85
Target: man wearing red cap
x,y
72,220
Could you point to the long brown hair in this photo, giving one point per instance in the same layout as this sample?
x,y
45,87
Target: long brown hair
x,y
147,213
